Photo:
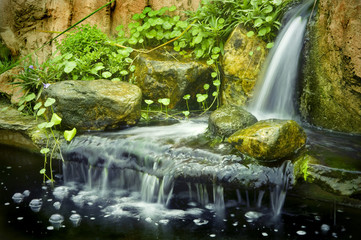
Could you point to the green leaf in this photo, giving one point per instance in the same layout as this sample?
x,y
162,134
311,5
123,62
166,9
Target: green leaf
x,y
251,53
215,94
115,80
44,150
167,25
206,86
216,50
201,97
132,68
214,74
41,111
49,125
198,39
186,97
270,45
49,101
216,83
38,105
258,48
267,9
21,108
136,16
67,56
258,22
262,31
269,18
165,101
69,66
172,8
210,61
30,97
148,101
42,125
42,171
55,119
250,34
124,72
106,74
69,135
4,109
186,113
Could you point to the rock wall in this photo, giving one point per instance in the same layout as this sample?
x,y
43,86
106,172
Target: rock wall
x,y
25,24
331,95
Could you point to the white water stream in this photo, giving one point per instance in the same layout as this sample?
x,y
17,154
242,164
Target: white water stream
x,y
275,90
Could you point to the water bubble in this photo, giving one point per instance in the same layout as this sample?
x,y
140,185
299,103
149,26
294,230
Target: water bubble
x,y
334,235
264,234
20,218
56,220
26,193
325,228
75,219
164,221
212,235
148,219
35,205
57,205
18,197
50,228
60,192
301,232
253,215
235,224
7,204
200,221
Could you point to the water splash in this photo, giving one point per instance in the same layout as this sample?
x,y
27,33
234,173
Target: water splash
x,y
275,91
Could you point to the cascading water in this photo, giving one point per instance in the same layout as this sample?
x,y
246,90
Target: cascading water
x,y
275,91
154,163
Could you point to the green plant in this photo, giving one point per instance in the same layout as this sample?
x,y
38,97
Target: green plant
x,y
55,120
146,115
165,102
86,54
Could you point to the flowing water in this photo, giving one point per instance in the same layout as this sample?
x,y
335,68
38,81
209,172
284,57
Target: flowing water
x,y
275,90
148,183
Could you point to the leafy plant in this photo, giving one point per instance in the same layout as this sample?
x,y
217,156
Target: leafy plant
x,y
55,120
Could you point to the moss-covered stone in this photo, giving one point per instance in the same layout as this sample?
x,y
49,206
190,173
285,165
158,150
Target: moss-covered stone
x,y
331,96
95,105
167,74
269,139
228,119
242,61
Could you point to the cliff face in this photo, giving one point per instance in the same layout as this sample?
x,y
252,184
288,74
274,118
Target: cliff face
x,y
331,95
25,25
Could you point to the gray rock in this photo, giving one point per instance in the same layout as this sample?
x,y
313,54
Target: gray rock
x,y
228,119
269,139
95,105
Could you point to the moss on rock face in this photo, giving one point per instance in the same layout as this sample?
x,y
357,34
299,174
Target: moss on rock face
x,y
269,139
331,96
228,119
95,105
242,61
167,74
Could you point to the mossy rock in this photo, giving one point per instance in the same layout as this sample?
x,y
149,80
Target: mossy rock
x,y
269,139
228,119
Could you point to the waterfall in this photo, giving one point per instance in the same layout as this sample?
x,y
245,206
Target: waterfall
x,y
275,91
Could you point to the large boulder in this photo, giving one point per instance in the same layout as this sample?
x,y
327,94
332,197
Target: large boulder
x,y
269,139
228,119
159,75
242,61
95,105
331,96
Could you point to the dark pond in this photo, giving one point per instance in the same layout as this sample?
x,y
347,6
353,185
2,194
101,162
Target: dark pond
x,y
122,214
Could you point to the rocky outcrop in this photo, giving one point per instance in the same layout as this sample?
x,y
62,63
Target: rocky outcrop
x,y
269,139
228,119
7,86
167,74
242,60
26,25
95,105
331,96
